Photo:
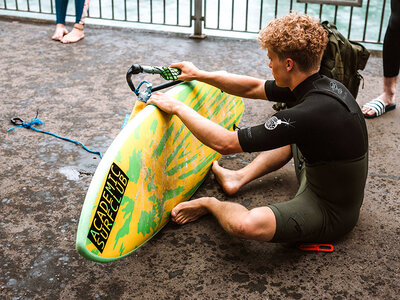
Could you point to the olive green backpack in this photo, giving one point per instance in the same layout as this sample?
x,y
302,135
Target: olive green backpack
x,y
343,58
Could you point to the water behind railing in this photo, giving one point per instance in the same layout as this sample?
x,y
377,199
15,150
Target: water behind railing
x,y
235,15
366,24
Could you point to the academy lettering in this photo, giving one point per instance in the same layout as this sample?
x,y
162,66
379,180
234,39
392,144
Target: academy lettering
x,y
106,212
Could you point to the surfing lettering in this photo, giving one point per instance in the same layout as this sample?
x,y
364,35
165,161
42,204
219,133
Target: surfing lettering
x,y
111,197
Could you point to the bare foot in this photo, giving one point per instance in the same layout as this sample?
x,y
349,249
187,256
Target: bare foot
x,y
188,211
229,180
75,35
59,32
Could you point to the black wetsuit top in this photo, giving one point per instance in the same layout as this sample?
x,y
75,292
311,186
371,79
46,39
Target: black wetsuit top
x,y
327,132
319,124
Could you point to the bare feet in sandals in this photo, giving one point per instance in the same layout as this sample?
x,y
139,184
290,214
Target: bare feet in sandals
x,y
75,35
378,106
59,32
384,103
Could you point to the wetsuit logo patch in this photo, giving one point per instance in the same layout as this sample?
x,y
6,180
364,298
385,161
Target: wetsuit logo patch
x,y
335,88
273,122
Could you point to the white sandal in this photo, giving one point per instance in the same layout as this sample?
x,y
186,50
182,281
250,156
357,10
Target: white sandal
x,y
379,108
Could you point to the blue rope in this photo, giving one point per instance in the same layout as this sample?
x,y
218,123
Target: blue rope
x,y
35,121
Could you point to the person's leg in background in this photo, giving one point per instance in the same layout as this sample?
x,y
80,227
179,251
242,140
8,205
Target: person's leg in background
x,y
81,8
391,63
391,60
61,12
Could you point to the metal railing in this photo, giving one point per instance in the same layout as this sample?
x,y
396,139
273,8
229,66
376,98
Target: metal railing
x,y
241,18
135,11
363,24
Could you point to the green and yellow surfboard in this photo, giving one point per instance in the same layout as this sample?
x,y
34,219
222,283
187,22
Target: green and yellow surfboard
x,y
154,163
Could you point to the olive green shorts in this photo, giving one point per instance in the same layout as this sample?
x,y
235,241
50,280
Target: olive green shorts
x,y
299,219
327,204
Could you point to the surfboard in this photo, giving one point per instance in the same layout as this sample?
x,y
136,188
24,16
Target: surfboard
x,y
154,163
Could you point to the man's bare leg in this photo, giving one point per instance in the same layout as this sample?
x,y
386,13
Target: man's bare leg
x,y
256,224
59,32
75,35
268,161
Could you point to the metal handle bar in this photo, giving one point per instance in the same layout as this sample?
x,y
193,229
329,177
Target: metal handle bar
x,y
137,69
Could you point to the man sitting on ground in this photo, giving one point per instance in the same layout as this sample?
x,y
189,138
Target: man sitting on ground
x,y
323,129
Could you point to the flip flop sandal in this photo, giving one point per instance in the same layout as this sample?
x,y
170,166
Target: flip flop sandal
x,y
379,108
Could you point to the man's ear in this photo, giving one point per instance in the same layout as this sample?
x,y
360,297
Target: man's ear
x,y
289,64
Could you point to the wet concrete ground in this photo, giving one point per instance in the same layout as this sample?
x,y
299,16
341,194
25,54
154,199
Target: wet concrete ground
x,y
81,93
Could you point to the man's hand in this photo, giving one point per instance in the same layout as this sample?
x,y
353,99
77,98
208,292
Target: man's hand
x,y
206,131
188,71
165,102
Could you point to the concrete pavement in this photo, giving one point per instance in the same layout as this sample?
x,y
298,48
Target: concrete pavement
x,y
81,93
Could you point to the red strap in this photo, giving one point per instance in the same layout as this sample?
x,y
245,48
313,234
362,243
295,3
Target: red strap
x,y
316,247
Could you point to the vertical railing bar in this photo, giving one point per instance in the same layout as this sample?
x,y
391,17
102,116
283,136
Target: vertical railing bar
x,y
382,17
177,12
100,9
16,4
138,10
5,4
218,12
247,15
40,6
27,4
205,11
351,20
198,18
151,11
164,11
305,8
125,11
276,8
51,7
366,20
261,14
291,5
320,11
233,13
112,9
335,17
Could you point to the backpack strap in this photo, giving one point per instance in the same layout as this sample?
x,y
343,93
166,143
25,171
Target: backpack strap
x,y
332,64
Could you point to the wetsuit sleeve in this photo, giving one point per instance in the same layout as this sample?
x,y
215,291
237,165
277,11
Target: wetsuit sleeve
x,y
278,94
280,130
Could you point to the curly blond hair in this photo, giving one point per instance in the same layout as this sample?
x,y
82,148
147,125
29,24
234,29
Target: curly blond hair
x,y
298,37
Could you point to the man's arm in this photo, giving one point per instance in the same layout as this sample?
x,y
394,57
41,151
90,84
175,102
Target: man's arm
x,y
208,132
238,85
